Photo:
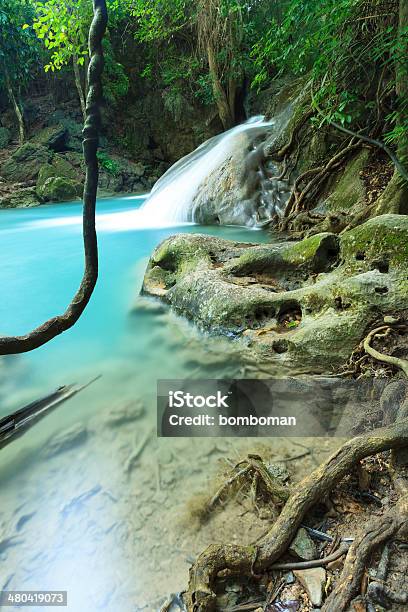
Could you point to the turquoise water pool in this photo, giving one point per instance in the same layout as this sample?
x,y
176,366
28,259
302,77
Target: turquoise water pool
x,y
79,514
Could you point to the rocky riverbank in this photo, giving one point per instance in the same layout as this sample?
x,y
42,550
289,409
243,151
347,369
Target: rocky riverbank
x,y
306,304
49,168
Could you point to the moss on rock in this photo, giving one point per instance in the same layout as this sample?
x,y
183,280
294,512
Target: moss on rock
x,y
25,163
59,189
305,304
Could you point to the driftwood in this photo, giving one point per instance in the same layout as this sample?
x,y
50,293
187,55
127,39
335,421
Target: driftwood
x,y
18,423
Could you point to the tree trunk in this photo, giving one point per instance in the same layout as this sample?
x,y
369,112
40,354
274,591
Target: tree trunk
x,y
10,345
79,85
402,80
16,107
86,68
394,199
221,100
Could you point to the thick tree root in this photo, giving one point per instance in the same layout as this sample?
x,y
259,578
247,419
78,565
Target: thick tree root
x,y
252,559
317,176
379,532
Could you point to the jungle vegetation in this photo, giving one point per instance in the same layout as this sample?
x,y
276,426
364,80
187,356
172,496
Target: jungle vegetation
x,y
215,51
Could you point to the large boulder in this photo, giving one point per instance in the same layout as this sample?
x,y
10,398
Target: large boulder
x,y
5,136
305,304
54,137
59,189
25,163
58,166
20,198
73,129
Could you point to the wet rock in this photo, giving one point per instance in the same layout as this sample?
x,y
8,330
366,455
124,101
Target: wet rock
x,y
25,163
65,441
313,581
326,289
286,605
302,546
20,198
127,413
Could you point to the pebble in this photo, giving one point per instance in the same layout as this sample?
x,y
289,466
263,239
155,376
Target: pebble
x,y
124,414
302,546
313,581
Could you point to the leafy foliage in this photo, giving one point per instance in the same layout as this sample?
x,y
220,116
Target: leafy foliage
x,y
350,48
18,48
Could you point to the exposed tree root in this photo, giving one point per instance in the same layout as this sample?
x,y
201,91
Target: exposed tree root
x,y
379,532
389,359
255,468
318,176
252,559
340,552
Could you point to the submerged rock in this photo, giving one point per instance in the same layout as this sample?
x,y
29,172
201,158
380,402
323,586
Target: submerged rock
x,y
307,303
65,441
127,413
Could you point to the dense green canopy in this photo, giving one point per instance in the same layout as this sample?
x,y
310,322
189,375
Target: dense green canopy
x,y
212,51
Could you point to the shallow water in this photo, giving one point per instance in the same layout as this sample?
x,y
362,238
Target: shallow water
x,y
86,517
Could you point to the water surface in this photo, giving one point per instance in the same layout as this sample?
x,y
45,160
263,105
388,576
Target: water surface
x,y
86,517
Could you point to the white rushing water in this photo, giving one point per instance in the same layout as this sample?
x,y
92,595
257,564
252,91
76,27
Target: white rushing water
x,y
172,197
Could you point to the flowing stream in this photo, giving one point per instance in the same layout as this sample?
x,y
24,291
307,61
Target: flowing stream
x,y
77,513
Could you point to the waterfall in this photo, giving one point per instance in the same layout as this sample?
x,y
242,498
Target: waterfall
x,y
227,180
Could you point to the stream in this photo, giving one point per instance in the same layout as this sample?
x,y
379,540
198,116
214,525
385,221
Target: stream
x,y
79,511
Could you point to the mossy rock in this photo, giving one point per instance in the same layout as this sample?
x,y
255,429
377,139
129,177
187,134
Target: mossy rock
x,y
58,167
347,189
22,198
60,189
5,137
25,163
305,305
382,241
53,137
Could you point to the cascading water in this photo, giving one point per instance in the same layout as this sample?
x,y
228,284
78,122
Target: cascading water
x,y
227,180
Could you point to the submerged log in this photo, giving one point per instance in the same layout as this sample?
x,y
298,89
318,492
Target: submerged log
x,y
18,423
